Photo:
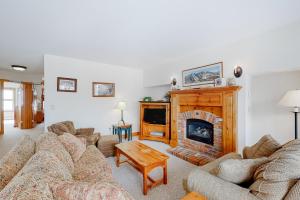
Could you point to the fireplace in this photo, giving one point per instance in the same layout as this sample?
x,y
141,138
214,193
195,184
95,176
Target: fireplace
x,y
200,130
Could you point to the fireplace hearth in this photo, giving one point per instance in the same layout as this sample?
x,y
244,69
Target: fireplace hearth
x,y
200,130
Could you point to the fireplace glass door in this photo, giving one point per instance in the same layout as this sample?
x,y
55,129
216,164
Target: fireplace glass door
x,y
200,130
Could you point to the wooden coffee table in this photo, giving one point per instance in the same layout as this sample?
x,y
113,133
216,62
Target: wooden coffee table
x,y
144,159
194,196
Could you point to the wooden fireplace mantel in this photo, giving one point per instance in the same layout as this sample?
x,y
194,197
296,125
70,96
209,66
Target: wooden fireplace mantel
x,y
221,101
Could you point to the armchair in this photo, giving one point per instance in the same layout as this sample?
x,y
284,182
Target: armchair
x,y
68,126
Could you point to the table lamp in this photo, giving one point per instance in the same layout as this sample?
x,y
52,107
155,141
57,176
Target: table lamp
x,y
292,99
121,106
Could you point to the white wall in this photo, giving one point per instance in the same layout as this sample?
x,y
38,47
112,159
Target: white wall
x,y
81,107
20,76
265,114
157,92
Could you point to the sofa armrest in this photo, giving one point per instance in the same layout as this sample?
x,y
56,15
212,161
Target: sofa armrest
x,y
209,167
85,131
215,188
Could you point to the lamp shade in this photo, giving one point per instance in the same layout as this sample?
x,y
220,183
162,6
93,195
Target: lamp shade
x,y
291,99
121,105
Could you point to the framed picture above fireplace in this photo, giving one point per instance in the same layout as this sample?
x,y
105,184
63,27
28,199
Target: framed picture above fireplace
x,y
202,76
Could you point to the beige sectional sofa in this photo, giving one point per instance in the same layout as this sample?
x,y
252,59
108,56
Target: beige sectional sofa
x,y
277,177
45,170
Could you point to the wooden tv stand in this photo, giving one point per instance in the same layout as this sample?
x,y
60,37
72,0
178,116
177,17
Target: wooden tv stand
x,y
147,128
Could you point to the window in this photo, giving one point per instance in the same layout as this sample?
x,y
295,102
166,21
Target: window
x,y
8,100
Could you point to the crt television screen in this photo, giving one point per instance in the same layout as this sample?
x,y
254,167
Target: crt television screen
x,y
155,116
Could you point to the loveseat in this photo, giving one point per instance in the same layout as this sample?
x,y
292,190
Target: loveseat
x,y
268,171
46,169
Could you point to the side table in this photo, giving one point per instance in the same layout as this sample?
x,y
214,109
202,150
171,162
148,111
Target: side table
x,y
118,129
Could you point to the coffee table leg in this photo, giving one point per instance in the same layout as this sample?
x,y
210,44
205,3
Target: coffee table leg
x,y
165,173
117,157
145,182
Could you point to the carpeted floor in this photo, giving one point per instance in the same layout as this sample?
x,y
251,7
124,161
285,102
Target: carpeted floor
x,y
12,135
131,179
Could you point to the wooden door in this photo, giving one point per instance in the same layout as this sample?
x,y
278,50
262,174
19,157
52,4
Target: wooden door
x,y
1,107
26,108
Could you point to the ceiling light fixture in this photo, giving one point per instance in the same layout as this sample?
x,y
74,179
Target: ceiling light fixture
x,y
19,67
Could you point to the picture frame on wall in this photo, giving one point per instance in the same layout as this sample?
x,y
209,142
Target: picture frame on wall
x,y
66,84
102,89
202,76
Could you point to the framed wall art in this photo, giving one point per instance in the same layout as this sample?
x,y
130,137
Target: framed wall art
x,y
204,75
66,84
101,89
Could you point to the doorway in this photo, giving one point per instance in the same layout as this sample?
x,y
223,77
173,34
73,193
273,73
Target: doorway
x,y
21,105
9,106
11,101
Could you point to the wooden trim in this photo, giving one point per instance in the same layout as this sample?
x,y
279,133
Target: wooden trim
x,y
63,78
1,107
135,133
26,109
206,89
93,89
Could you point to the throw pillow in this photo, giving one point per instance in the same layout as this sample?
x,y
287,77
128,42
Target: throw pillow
x,y
74,145
239,171
60,128
71,128
275,178
263,148
50,142
72,190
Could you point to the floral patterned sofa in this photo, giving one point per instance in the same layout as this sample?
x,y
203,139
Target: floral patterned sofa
x,y
46,170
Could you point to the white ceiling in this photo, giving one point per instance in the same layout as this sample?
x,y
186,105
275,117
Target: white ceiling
x,y
134,33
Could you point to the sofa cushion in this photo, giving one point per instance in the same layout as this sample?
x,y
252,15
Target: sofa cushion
x,y
72,190
92,166
271,190
73,145
32,182
239,170
294,193
50,142
263,148
274,178
215,188
15,159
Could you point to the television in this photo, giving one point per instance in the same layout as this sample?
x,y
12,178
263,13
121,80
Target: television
x,y
155,116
